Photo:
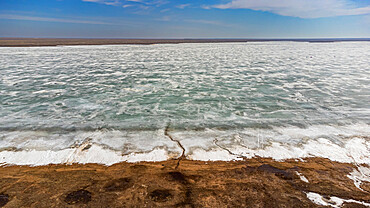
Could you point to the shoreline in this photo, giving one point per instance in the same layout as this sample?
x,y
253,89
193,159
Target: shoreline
x,y
90,150
256,182
37,42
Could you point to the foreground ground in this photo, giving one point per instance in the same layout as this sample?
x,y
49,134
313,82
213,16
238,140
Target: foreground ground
x,y
250,183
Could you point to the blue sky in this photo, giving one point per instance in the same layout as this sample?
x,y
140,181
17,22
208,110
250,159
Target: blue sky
x,y
185,18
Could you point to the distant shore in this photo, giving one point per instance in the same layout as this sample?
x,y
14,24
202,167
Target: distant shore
x,y
256,182
29,42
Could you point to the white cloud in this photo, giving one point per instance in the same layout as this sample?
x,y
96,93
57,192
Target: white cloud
x,y
156,2
165,10
47,19
299,8
142,4
183,6
107,2
143,7
208,22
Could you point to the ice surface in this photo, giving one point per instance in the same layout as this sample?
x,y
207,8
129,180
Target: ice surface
x,y
220,101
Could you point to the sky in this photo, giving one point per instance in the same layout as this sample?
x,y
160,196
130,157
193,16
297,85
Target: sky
x,y
185,18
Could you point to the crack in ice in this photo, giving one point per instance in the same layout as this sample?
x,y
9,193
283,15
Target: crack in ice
x,y
178,143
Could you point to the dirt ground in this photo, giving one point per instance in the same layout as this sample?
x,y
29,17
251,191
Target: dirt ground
x,y
257,182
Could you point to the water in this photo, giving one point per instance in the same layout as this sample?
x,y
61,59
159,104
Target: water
x,y
123,97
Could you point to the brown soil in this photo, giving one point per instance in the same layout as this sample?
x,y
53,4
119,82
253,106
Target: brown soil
x,y
255,182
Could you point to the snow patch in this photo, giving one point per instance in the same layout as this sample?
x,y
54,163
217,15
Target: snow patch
x,y
332,201
212,155
304,179
358,176
95,154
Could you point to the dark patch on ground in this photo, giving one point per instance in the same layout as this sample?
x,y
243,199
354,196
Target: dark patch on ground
x,y
247,170
4,199
78,197
87,147
119,184
161,195
283,174
187,188
177,176
266,168
188,199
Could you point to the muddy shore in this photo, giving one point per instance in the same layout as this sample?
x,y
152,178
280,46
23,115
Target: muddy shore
x,y
257,182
